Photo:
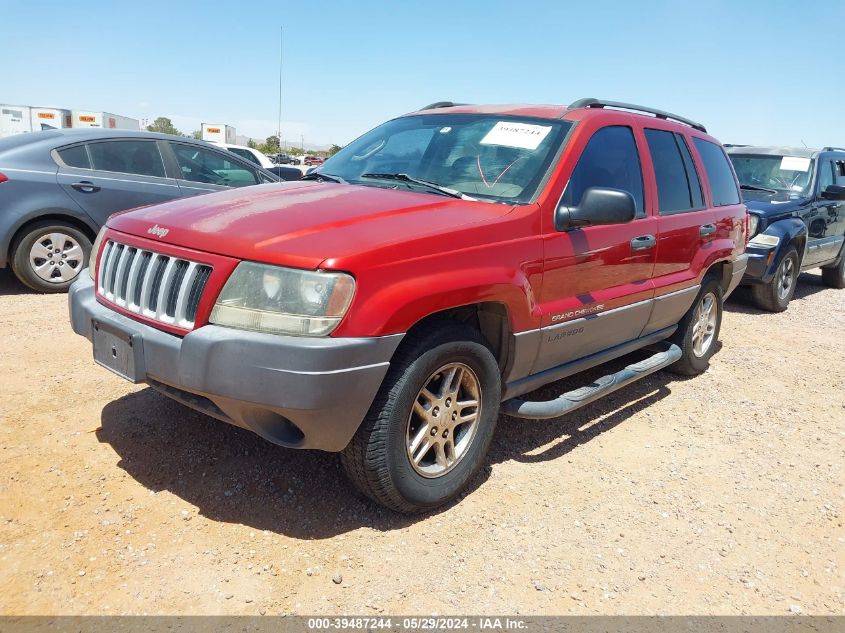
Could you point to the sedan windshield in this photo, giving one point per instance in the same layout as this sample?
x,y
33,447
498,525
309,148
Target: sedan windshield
x,y
497,158
781,173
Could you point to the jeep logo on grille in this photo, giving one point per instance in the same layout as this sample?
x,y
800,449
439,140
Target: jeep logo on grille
x,y
158,231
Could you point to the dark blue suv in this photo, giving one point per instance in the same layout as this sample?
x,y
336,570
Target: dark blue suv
x,y
796,201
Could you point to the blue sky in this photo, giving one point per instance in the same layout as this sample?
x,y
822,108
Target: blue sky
x,y
766,72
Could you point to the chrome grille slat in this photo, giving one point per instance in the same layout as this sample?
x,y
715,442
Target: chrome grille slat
x,y
160,287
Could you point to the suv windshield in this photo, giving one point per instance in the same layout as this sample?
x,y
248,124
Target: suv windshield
x,y
792,174
498,158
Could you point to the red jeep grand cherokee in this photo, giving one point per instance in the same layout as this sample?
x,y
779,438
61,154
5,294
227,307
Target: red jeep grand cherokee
x,y
443,264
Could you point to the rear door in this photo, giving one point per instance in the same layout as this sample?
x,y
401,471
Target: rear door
x,y
695,223
203,170
105,177
597,289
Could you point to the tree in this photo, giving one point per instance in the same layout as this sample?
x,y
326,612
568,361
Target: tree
x,y
252,144
197,135
164,125
272,145
334,149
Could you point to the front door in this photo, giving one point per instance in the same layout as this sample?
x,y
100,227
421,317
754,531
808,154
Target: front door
x,y
825,219
597,290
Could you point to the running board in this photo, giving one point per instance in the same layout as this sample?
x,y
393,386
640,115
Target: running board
x,y
576,399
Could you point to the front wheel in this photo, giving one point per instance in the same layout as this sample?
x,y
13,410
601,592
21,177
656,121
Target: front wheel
x,y
429,428
776,295
698,331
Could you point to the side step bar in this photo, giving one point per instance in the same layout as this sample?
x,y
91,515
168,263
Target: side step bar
x,y
576,399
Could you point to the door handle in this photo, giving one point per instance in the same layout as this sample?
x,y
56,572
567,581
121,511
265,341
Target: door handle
x,y
85,186
643,242
706,229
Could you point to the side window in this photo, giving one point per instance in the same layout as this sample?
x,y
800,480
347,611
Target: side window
x,y
611,160
692,173
128,157
839,173
674,190
198,164
76,156
825,175
719,173
244,154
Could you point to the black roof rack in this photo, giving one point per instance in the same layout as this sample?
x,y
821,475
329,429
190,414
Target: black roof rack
x,y
442,104
834,149
660,114
735,145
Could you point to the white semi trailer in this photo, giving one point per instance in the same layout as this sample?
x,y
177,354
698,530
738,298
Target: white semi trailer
x,y
49,119
218,133
14,119
87,118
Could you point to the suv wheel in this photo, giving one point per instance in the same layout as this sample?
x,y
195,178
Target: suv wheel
x,y
430,426
698,331
50,256
776,295
834,277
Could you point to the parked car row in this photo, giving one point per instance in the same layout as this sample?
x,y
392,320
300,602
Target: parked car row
x,y
442,266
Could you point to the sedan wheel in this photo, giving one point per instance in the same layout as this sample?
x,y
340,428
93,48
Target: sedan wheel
x,y
56,258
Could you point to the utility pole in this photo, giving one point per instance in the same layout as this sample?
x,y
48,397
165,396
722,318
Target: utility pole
x,y
302,141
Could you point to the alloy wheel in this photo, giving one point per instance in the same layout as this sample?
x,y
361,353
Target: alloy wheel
x,y
704,325
444,420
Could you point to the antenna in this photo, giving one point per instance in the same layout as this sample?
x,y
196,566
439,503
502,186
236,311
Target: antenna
x,y
279,129
803,143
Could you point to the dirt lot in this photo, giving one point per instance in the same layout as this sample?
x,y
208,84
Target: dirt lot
x,y
718,494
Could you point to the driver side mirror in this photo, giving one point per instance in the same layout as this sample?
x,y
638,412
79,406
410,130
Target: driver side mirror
x,y
599,205
834,192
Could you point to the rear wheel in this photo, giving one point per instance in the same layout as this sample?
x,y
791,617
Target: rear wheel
x,y
834,277
50,256
429,428
776,295
698,331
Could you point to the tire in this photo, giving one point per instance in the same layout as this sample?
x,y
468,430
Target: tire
x,y
697,335
378,460
31,253
776,295
834,277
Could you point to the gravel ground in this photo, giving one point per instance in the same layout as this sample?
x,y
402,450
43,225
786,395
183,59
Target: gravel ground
x,y
721,494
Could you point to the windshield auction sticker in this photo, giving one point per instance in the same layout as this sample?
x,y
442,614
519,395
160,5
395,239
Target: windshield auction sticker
x,y
521,135
794,163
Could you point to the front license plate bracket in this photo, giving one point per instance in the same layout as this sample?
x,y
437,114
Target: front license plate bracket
x,y
118,351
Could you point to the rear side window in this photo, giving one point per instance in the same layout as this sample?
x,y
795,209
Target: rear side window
x,y
141,158
678,189
719,173
610,160
76,156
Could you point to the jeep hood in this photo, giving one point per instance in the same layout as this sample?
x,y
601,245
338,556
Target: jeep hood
x,y
768,204
302,223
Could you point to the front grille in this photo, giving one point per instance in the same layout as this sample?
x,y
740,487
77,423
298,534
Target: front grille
x,y
157,286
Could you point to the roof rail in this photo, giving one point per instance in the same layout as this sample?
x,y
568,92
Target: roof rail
x,y
735,145
660,114
834,149
442,104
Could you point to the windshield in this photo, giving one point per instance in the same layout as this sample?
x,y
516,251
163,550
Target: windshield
x,y
498,158
792,174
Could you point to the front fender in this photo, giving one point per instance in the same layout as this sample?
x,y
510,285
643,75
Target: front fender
x,y
767,249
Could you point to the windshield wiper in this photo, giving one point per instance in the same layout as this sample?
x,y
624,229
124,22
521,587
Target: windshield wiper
x,y
756,188
318,176
417,181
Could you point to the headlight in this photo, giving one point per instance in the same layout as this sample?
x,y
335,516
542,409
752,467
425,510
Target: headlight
x,y
92,258
753,224
278,300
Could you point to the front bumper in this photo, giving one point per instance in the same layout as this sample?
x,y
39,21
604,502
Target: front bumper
x,y
300,392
